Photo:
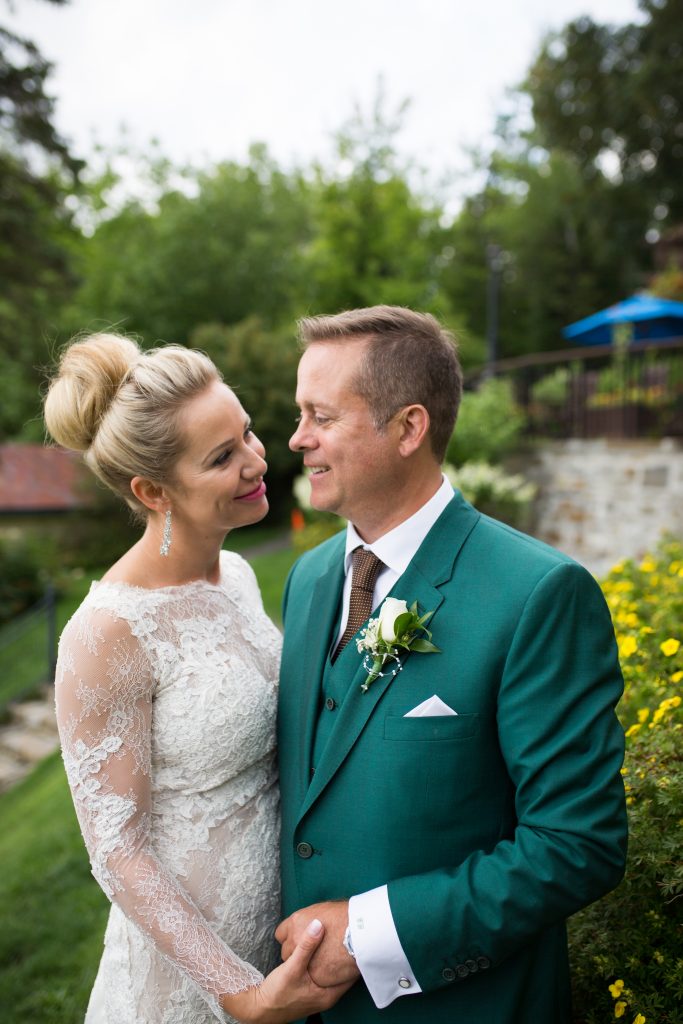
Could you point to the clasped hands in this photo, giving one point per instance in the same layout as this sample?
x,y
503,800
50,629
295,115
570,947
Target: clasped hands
x,y
331,964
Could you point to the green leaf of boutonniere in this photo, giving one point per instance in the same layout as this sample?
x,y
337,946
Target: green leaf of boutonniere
x,y
397,628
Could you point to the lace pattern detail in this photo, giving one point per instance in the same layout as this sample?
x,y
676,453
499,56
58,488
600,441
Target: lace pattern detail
x,y
166,705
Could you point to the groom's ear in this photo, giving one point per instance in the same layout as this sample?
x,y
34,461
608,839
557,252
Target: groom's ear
x,y
413,429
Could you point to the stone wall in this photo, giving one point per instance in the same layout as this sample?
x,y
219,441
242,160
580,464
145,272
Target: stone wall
x,y
604,500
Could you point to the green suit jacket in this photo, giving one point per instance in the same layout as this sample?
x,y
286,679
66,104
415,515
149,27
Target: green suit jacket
x,y
490,827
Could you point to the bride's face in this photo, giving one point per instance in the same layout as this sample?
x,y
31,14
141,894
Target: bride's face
x,y
218,482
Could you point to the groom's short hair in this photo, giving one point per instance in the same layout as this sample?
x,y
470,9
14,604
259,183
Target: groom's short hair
x,y
410,359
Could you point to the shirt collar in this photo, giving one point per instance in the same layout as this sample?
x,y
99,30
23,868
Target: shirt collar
x,y
397,547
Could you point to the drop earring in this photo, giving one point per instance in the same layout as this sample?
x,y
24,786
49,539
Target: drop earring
x,y
166,539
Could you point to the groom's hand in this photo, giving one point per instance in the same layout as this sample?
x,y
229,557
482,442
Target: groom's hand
x,y
330,964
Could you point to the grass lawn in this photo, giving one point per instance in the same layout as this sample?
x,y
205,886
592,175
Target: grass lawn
x,y
23,661
52,913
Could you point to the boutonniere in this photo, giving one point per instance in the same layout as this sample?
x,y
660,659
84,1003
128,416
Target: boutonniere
x,y
397,628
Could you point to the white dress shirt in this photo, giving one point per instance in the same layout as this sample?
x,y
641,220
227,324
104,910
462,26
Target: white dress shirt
x,y
379,954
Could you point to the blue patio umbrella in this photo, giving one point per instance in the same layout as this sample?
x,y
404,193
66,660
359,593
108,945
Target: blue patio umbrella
x,y
649,317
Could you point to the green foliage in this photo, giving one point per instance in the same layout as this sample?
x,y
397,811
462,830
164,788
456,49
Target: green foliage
x,y
53,914
36,230
226,247
553,389
600,89
504,496
489,426
20,579
633,938
260,364
668,284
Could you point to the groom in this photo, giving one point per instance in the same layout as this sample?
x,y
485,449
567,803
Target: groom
x,y
445,822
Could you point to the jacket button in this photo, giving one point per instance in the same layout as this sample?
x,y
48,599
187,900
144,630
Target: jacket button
x,y
461,971
330,703
472,966
448,974
304,850
404,982
483,962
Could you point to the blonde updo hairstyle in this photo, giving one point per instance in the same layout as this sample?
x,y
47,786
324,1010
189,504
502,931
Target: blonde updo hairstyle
x,y
120,406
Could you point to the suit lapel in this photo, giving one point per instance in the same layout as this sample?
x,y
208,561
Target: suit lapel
x,y
432,566
322,617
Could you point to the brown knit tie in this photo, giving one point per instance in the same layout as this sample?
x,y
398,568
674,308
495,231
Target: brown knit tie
x,y
366,566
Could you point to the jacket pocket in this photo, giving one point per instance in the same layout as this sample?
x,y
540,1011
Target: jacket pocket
x,y
438,727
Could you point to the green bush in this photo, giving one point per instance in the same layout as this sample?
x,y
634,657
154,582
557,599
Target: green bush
x,y
20,579
553,389
493,491
627,949
490,424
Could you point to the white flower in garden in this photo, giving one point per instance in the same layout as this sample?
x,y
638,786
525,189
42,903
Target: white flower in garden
x,y
301,489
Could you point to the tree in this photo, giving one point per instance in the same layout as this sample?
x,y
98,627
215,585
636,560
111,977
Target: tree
x,y
36,230
226,248
260,364
612,97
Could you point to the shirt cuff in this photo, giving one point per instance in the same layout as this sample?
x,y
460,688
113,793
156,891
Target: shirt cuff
x,y
378,950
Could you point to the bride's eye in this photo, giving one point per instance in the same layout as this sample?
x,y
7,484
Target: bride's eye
x,y
223,458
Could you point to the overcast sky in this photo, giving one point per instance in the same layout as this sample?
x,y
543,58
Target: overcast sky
x,y
208,77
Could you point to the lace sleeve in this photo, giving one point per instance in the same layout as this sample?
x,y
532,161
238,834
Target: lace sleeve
x,y
104,709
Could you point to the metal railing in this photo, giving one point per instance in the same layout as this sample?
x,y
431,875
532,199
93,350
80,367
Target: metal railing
x,y
598,391
28,650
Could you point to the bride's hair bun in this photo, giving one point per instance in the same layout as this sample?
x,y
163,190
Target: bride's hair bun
x,y
121,407
90,373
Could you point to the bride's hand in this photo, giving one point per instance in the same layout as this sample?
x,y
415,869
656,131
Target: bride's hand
x,y
288,992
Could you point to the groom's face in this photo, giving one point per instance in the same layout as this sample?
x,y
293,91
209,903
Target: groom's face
x,y
353,465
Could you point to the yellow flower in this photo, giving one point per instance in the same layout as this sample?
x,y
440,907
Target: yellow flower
x,y
673,568
647,565
643,715
616,988
670,647
619,1008
676,677
627,646
639,1019
633,730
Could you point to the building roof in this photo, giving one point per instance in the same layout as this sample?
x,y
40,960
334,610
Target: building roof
x,y
38,479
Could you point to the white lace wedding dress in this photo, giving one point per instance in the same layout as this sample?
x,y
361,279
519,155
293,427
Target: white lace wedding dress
x,y
166,705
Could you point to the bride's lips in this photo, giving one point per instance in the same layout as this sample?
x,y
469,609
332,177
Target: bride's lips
x,y
254,495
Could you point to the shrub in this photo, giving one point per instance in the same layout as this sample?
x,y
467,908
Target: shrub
x,y
489,425
627,949
20,579
310,527
494,492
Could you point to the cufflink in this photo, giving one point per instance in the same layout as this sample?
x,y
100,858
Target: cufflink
x,y
346,942
404,982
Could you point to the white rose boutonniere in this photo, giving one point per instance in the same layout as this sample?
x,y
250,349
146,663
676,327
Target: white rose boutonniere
x,y
397,628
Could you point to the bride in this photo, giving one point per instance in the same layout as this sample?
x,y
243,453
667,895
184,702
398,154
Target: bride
x,y
166,695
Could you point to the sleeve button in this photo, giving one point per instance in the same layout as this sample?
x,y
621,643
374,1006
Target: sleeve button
x,y
448,974
472,966
461,971
483,962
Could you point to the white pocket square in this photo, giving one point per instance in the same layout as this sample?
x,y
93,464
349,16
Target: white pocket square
x,y
431,708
